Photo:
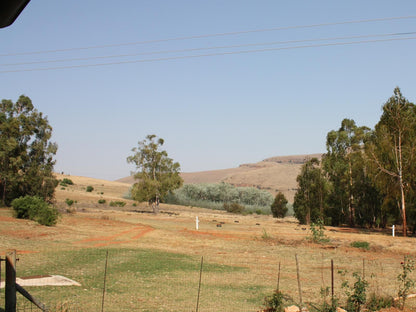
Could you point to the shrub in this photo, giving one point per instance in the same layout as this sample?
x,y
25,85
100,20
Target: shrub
x,y
275,302
362,245
101,201
48,216
233,208
69,202
89,188
317,231
405,281
376,303
279,206
35,208
117,204
356,294
67,181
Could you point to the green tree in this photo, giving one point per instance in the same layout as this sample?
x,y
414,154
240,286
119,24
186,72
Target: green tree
x,y
392,148
344,165
157,174
279,206
310,198
26,154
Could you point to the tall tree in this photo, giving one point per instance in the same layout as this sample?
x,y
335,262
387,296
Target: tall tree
x,y
392,149
157,174
344,165
26,153
310,198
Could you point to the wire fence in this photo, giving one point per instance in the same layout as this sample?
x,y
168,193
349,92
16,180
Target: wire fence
x,y
149,280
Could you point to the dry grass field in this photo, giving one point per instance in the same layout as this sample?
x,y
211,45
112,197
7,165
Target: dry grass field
x,y
154,260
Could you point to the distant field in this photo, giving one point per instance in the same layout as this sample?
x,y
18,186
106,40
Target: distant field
x,y
154,260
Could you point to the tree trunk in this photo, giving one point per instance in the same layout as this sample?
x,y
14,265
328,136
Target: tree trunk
x,y
400,165
403,212
4,192
351,208
155,205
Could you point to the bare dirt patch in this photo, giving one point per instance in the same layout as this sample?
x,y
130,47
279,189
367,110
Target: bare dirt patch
x,y
117,238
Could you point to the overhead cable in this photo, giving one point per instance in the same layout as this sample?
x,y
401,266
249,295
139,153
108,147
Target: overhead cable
x,y
207,48
207,55
213,35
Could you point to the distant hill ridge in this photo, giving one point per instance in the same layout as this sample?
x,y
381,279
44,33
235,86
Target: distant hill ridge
x,y
296,159
273,174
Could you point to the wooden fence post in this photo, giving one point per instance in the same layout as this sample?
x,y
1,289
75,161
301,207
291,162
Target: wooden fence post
x,y
10,292
332,281
105,278
298,275
199,285
278,279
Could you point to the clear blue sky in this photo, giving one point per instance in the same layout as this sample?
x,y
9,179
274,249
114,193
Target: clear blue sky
x,y
214,111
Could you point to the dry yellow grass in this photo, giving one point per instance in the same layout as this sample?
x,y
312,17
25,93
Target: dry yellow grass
x,y
108,190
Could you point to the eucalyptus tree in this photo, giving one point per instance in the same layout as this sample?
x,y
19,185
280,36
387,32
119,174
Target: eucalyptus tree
x,y
157,174
392,150
26,153
344,164
310,199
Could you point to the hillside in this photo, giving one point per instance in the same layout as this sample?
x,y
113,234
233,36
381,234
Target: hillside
x,y
102,189
273,174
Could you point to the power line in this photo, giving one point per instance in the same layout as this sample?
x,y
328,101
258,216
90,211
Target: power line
x,y
206,55
214,35
208,48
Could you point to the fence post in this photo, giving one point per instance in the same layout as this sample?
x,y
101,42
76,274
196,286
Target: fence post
x,y
10,291
105,278
298,275
278,279
332,281
199,285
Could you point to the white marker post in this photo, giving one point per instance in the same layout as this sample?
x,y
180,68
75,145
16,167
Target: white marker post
x,y
197,223
392,230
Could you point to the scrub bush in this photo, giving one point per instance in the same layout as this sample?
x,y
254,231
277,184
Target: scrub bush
x,y
35,208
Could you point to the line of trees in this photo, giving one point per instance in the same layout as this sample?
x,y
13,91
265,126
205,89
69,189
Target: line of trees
x,y
367,177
